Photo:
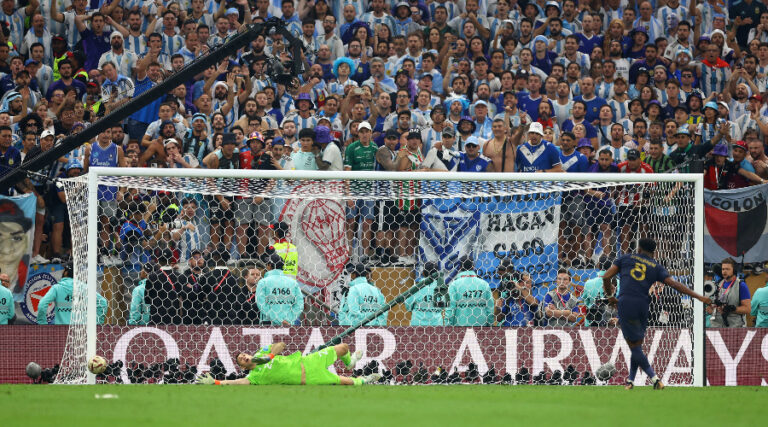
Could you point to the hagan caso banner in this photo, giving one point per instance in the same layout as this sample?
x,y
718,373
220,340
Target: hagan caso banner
x,y
736,224
523,228
736,356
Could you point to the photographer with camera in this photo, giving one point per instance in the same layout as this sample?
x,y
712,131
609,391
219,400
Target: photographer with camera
x,y
731,299
516,305
428,304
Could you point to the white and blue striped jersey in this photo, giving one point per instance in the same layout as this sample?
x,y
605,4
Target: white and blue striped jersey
x,y
15,23
55,27
45,39
44,77
172,44
337,88
713,79
604,90
301,123
664,13
654,27
452,8
361,7
124,62
620,108
373,21
581,58
136,44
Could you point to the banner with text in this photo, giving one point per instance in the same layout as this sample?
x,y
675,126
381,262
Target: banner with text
x,y
736,224
524,228
736,356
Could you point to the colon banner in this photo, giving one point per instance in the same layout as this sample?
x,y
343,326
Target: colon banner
x,y
523,228
736,224
17,220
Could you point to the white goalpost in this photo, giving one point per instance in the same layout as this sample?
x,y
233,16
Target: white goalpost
x,y
542,223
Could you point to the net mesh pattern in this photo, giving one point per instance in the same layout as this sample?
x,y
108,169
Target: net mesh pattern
x,y
188,276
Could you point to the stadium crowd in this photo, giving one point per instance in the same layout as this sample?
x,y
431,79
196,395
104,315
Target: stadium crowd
x,y
468,86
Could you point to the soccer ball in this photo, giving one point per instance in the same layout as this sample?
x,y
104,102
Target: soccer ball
x,y
605,372
97,365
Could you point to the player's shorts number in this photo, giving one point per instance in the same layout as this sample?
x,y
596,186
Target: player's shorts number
x,y
638,272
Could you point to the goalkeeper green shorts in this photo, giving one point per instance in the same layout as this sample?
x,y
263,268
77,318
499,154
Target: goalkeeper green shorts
x,y
316,367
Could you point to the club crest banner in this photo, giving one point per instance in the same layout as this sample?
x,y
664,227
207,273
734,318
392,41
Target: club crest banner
x,y
736,224
523,228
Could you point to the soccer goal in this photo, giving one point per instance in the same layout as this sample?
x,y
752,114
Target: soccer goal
x,y
178,270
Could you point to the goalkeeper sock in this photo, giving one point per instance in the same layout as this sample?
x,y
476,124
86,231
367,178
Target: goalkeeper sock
x,y
642,361
358,381
346,359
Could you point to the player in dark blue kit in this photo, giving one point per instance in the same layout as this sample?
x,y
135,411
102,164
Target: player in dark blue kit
x,y
637,273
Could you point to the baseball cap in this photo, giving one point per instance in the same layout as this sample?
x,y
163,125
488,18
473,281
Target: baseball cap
x,y
724,104
522,74
364,125
278,141
633,154
711,104
169,141
481,102
199,116
414,134
448,131
31,61
536,128
392,133
552,3
472,140
46,133
58,37
720,150
682,130
757,98
232,10
740,144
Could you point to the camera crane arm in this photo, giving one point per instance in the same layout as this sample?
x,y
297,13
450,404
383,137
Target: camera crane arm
x,y
242,39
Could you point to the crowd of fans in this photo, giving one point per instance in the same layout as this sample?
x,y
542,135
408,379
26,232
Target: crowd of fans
x,y
469,86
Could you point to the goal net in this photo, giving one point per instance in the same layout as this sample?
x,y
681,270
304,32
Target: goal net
x,y
177,271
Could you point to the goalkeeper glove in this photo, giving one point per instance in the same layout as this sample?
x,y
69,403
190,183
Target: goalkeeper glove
x,y
260,360
205,379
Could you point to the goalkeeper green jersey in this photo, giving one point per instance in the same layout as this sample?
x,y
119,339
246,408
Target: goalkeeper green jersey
x,y
422,307
60,295
7,309
281,370
139,309
471,301
362,300
279,298
760,307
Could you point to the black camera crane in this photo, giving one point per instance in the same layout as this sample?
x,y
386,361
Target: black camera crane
x,y
281,73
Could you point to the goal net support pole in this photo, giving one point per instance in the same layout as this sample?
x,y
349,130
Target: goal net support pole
x,y
385,308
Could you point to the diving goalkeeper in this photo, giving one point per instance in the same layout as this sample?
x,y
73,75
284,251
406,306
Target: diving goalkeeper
x,y
269,367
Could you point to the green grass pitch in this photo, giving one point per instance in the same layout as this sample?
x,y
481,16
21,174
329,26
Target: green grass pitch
x,y
189,405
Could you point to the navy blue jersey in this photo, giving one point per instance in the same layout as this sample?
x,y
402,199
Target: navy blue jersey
x,y
637,273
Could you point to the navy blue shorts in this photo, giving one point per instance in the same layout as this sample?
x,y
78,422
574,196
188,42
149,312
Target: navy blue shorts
x,y
633,319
